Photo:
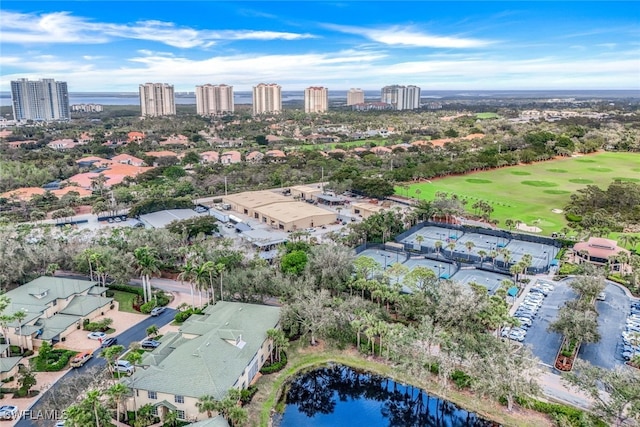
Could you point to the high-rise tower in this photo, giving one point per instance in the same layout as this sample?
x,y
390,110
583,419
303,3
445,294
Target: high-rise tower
x,y
157,99
40,100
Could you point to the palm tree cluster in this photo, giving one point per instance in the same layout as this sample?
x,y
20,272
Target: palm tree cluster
x,y
229,407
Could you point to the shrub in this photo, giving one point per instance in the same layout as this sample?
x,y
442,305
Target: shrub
x,y
181,316
574,416
147,307
53,360
276,366
461,379
247,395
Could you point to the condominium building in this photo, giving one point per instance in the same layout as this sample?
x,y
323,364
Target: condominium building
x,y
401,97
157,99
267,98
212,100
316,100
355,96
40,100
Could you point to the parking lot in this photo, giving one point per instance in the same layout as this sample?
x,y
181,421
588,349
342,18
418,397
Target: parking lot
x,y
613,313
545,344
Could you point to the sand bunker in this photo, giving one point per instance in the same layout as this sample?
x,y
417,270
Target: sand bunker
x,y
558,211
529,228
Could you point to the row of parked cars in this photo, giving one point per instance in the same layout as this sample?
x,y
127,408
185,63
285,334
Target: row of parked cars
x,y
527,311
631,334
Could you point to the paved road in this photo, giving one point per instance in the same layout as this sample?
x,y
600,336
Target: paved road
x,y
135,333
613,312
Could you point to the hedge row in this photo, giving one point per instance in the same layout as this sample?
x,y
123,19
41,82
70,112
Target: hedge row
x,y
127,288
276,366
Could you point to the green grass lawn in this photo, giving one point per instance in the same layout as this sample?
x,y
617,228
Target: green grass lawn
x,y
125,301
530,192
487,116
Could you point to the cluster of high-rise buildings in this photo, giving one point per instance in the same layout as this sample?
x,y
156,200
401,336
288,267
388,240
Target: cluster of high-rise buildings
x,y
47,99
267,99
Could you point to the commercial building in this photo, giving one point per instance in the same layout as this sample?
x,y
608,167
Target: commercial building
x,y
213,100
401,97
355,96
278,211
157,99
316,99
365,210
222,348
267,99
40,100
599,251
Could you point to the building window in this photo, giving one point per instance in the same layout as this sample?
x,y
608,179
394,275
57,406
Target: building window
x,y
262,358
181,415
179,399
154,410
152,394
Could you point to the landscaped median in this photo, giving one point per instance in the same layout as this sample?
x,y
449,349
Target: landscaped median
x,y
272,386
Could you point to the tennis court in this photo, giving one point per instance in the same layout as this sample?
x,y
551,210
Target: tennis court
x,y
541,254
432,234
443,270
489,280
384,258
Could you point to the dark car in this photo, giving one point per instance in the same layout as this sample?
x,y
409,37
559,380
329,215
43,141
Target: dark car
x,y
149,344
109,342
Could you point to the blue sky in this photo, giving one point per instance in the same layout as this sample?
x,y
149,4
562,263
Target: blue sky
x,y
116,45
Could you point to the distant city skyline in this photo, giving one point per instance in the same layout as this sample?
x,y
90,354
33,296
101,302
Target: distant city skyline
x,y
103,47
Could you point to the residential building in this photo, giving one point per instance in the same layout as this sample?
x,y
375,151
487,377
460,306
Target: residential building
x,y
223,348
355,96
401,97
213,100
316,99
267,99
53,307
87,108
157,99
230,157
41,100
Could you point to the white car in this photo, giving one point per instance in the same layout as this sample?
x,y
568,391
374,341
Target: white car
x,y
8,412
601,296
524,321
96,335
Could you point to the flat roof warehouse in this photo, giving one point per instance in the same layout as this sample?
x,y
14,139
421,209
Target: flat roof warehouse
x,y
279,211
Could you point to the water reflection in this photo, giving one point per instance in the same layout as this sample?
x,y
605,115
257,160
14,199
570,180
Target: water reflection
x,y
340,396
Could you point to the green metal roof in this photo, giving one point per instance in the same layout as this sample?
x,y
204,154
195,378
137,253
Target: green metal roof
x,y
83,305
166,404
55,325
207,364
8,363
34,297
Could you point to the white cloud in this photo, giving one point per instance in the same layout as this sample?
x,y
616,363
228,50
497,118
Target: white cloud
x,y
62,27
407,36
369,69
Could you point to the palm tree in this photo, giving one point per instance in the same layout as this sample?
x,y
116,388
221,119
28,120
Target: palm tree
x,y
419,239
469,245
204,278
117,393
147,264
207,404
19,316
187,274
482,254
170,418
237,416
451,246
438,246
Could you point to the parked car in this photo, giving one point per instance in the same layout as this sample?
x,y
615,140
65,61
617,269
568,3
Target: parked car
x,y
601,296
124,367
80,359
517,334
109,342
157,311
539,291
8,412
96,335
524,321
149,344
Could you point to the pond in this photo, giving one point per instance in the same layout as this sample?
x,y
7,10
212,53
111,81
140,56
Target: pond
x,y
341,396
